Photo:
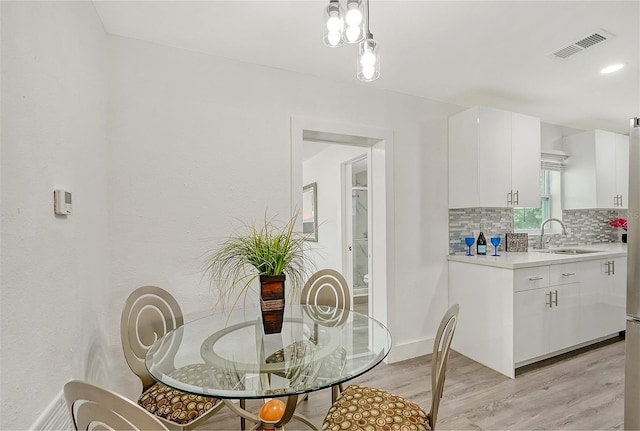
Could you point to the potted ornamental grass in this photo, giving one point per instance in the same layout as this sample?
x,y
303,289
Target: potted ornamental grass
x,y
272,253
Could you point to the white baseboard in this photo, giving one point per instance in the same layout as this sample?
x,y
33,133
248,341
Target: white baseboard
x,y
55,417
411,349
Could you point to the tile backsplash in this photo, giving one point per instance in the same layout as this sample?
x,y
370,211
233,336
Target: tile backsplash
x,y
466,222
584,226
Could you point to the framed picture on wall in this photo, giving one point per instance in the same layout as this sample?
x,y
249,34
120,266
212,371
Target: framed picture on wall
x,y
310,211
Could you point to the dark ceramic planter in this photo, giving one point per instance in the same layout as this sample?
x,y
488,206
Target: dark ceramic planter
x,y
272,302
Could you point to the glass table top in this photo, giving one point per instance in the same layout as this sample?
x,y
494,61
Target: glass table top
x,y
227,355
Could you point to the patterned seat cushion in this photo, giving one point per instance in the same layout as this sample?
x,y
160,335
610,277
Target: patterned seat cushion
x,y
361,408
176,406
292,358
333,364
293,355
293,351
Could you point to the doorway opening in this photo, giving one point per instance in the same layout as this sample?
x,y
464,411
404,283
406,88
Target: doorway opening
x,y
352,169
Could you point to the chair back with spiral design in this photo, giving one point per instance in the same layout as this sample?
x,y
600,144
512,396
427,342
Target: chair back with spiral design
x,y
148,314
327,288
94,408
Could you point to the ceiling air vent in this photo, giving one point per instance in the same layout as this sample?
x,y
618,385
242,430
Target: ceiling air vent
x,y
591,40
583,43
567,51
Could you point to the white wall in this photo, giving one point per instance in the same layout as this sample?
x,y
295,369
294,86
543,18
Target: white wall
x,y
325,169
551,136
197,141
55,273
195,144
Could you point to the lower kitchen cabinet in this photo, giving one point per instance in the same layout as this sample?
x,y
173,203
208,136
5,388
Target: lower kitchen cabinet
x,y
531,324
611,296
547,320
566,311
519,316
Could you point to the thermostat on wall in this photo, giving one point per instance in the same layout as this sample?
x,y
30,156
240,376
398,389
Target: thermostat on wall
x,y
62,202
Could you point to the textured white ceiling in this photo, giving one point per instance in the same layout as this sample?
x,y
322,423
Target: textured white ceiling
x,y
493,53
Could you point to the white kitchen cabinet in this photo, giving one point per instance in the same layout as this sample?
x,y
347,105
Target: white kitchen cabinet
x,y
494,159
622,169
525,160
484,331
597,170
511,317
612,295
566,317
604,290
548,318
531,324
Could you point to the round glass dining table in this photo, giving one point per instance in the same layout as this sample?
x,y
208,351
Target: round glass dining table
x,y
228,356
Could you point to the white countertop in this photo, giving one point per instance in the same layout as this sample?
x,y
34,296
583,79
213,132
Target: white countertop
x,y
515,260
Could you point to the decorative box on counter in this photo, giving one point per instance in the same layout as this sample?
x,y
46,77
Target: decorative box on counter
x,y
516,241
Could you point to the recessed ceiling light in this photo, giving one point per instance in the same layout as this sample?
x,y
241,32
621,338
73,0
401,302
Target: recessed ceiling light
x,y
612,68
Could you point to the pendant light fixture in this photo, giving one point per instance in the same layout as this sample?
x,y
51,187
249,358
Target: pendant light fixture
x,y
354,21
350,23
368,59
368,56
333,24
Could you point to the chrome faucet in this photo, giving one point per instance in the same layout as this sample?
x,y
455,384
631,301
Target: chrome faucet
x,y
564,229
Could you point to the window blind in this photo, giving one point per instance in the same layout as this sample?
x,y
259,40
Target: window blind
x,y
553,160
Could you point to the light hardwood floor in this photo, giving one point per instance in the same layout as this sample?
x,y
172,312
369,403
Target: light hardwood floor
x,y
582,391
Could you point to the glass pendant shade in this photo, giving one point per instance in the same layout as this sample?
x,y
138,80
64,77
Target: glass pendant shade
x,y
350,23
354,21
333,24
368,60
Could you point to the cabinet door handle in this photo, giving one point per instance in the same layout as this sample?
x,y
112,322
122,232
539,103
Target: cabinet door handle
x,y
608,265
510,198
621,204
568,274
551,296
615,201
517,197
613,267
535,278
548,299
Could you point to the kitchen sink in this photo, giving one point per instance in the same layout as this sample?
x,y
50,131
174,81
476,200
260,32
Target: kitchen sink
x,y
568,251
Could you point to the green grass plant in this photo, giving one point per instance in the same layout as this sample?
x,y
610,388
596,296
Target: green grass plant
x,y
269,249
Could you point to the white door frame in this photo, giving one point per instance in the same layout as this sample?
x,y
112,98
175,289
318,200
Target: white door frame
x,y
381,204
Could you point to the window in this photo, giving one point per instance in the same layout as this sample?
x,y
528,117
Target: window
x,y
530,219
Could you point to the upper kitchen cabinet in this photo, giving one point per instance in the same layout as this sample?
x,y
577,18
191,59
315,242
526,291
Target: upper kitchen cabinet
x,y
597,171
494,159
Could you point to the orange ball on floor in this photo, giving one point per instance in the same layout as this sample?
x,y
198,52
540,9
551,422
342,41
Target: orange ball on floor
x,y
272,410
